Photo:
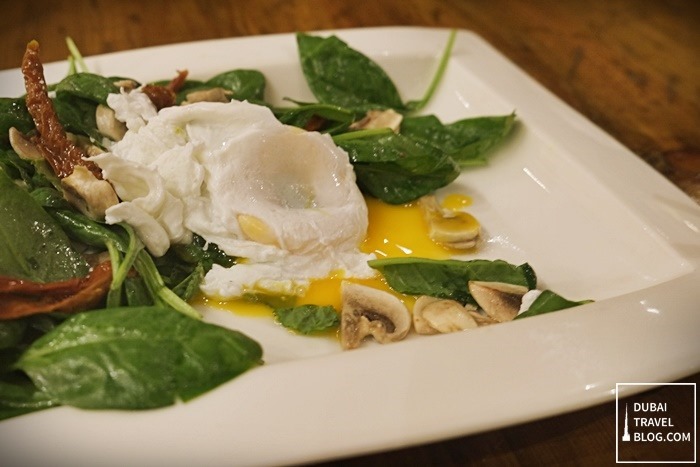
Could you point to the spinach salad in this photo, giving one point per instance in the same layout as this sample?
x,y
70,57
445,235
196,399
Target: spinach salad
x,y
90,319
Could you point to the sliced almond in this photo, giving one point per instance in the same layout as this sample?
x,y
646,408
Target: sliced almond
x,y
257,230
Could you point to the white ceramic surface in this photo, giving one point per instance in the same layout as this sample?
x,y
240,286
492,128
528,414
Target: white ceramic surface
x,y
590,217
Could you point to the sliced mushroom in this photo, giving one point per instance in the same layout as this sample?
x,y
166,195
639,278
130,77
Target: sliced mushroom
x,y
23,146
85,143
499,300
27,150
482,319
379,119
209,95
126,84
454,229
367,312
434,315
87,193
107,123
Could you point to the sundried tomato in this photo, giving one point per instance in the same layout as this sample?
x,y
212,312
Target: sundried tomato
x,y
61,154
164,96
21,298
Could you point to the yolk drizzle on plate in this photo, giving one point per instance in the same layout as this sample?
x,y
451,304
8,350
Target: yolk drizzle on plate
x,y
394,231
399,230
456,202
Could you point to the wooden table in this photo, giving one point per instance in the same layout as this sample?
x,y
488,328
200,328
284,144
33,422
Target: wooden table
x,y
631,66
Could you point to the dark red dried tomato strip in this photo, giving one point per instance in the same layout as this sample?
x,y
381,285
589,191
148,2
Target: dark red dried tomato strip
x,y
164,96
177,82
27,287
160,95
61,154
88,295
315,123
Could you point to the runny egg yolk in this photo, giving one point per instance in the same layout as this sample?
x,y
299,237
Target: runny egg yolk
x,y
399,230
394,231
456,202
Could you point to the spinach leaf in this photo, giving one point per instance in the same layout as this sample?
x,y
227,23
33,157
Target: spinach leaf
x,y
188,287
82,229
34,173
18,394
245,84
135,358
182,277
32,245
200,251
342,76
184,266
136,292
155,284
88,86
547,302
466,141
17,334
11,332
394,168
49,197
442,66
19,397
13,113
308,319
180,274
449,278
75,58
77,98
77,115
16,167
333,119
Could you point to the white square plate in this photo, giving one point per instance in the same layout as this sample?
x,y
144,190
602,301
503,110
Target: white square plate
x,y
591,218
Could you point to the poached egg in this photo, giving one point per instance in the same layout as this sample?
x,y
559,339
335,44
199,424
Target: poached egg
x,y
281,199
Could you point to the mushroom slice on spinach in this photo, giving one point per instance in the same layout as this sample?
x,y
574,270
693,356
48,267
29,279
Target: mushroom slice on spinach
x,y
367,311
86,144
24,148
90,195
499,300
379,119
126,84
208,95
107,123
481,318
435,315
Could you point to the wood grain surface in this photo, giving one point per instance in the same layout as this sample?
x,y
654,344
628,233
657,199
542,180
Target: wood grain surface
x,y
630,66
